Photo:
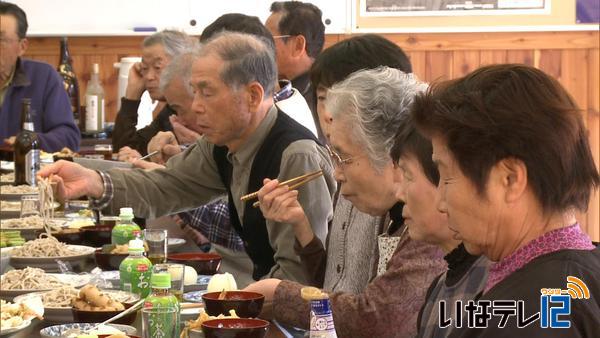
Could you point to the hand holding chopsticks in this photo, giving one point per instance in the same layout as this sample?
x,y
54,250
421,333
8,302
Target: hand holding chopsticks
x,y
291,183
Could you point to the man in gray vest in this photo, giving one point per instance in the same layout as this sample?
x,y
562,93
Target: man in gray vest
x,y
245,139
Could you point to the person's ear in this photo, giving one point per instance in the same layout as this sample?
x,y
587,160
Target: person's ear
x,y
298,45
254,95
23,44
512,175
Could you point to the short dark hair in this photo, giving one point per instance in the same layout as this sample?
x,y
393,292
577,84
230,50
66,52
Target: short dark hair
x,y
410,142
514,111
241,23
360,52
301,18
7,8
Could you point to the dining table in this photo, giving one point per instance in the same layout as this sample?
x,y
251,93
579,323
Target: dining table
x,y
33,330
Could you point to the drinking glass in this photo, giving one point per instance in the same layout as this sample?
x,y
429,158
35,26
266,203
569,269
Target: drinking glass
x,y
177,272
157,245
159,322
30,205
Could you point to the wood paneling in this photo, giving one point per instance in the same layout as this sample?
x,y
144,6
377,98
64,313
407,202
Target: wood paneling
x,y
571,57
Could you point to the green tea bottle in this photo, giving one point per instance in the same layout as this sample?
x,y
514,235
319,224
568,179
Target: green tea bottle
x,y
125,230
136,270
161,297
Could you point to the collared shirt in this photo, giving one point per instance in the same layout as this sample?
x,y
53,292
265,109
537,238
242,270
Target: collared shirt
x,y
212,220
570,237
191,179
5,85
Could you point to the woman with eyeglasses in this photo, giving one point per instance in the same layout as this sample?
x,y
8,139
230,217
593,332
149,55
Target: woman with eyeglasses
x,y
366,109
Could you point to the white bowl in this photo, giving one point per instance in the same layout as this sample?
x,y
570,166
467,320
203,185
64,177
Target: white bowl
x,y
49,264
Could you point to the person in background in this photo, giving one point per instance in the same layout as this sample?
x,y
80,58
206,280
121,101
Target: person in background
x,y
467,274
22,78
212,220
157,51
299,35
515,164
233,76
339,268
367,107
286,98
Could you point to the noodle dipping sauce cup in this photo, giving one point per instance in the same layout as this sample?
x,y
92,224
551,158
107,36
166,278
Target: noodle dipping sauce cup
x,y
245,303
235,327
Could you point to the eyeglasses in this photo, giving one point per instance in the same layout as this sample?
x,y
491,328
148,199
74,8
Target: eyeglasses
x,y
281,36
338,161
4,41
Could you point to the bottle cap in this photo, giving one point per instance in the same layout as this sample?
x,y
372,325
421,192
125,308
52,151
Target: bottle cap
x,y
126,213
161,280
136,245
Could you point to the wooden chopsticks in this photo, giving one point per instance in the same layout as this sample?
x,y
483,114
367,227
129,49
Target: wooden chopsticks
x,y
292,183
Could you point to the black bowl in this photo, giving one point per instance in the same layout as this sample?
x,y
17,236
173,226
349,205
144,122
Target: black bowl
x,y
203,263
97,235
108,261
246,304
235,328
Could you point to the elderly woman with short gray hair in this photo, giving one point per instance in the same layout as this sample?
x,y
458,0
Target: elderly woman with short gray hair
x,y
367,108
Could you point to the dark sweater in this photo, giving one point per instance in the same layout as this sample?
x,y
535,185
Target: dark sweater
x,y
125,133
547,271
52,114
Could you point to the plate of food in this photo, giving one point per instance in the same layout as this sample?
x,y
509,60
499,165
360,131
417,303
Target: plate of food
x,y
30,226
75,329
14,192
17,316
44,252
12,209
174,243
6,179
58,302
21,281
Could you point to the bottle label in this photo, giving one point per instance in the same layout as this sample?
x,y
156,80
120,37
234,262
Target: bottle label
x,y
32,166
135,275
92,113
321,319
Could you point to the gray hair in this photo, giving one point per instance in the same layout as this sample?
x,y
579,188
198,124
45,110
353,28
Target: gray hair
x,y
247,58
174,42
373,103
180,68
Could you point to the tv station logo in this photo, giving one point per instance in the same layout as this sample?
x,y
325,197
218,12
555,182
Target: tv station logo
x,y
555,308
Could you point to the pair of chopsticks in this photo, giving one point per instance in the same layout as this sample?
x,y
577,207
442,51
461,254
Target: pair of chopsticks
x,y
292,183
149,155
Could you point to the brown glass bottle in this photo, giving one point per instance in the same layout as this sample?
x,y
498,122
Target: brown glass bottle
x,y
65,69
27,149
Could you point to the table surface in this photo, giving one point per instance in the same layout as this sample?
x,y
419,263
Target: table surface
x,y
33,330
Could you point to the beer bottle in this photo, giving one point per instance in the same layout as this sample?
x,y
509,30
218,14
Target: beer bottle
x,y
27,149
65,69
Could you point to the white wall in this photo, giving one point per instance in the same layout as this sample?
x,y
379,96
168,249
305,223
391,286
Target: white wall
x,y
119,17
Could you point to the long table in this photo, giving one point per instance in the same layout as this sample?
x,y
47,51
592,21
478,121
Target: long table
x,y
33,330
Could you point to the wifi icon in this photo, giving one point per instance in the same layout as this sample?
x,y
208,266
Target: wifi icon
x,y
577,288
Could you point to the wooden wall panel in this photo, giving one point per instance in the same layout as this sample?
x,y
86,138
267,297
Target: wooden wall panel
x,y
571,57
593,124
464,62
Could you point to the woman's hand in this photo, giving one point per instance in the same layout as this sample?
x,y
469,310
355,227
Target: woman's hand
x,y
280,204
266,287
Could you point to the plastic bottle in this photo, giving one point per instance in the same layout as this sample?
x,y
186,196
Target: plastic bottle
x,y
125,230
321,317
136,270
161,297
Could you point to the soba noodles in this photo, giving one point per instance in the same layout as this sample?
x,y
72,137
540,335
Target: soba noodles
x,y
29,222
61,297
47,246
18,189
29,279
46,195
